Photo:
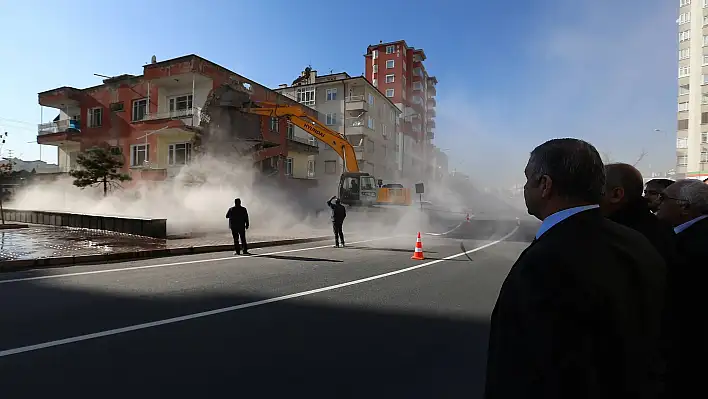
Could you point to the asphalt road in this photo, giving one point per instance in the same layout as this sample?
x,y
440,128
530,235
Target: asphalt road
x,y
363,321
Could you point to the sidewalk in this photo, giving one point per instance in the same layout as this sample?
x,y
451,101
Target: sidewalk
x,y
42,246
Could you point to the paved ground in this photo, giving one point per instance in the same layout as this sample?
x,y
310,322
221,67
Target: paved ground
x,y
304,320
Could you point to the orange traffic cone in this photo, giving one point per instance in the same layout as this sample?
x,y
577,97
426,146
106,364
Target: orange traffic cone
x,y
418,254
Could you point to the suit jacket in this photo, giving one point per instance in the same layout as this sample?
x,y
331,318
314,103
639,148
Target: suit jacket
x,y
637,216
238,218
687,312
579,316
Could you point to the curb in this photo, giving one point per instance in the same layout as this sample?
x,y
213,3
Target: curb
x,y
65,261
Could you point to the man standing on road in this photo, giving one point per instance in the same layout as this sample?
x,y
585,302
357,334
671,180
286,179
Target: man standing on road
x,y
238,223
579,315
623,203
339,213
653,189
684,205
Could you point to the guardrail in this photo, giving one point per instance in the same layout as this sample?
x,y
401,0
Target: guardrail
x,y
58,126
194,113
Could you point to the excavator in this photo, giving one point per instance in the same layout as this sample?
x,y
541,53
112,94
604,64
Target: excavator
x,y
356,188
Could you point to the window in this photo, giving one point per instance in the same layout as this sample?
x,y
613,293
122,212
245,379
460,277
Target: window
x,y
683,124
704,138
390,49
704,79
331,119
705,19
684,53
116,107
704,98
375,54
306,96
312,141
686,35
180,104
681,143
139,109
704,156
371,99
370,146
685,18
95,116
383,130
705,60
417,72
684,89
375,83
139,154
311,168
704,118
417,86
390,78
705,40
274,125
684,71
687,2
331,94
683,106
179,154
288,167
682,160
389,93
370,123
290,130
330,167
390,64
376,68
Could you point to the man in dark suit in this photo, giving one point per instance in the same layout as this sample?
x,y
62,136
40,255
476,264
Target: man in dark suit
x,y
238,223
623,203
579,315
653,189
684,204
339,213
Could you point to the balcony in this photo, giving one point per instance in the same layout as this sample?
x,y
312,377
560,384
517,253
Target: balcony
x,y
431,113
301,144
63,126
356,103
431,89
431,102
429,135
190,116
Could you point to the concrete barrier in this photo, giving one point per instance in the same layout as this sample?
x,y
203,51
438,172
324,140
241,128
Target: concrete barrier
x,y
156,228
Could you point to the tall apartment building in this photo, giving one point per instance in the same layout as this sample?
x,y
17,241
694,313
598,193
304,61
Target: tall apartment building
x,y
150,120
692,130
397,70
355,108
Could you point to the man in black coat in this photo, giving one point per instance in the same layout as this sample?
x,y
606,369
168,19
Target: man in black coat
x,y
623,203
339,213
579,315
684,204
238,223
653,189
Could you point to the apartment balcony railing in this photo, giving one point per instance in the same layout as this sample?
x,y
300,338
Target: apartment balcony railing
x,y
356,103
194,113
58,127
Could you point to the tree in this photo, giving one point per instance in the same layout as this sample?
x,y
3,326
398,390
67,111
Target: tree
x,y
98,167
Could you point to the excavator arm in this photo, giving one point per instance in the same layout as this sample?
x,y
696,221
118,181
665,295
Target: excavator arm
x,y
297,116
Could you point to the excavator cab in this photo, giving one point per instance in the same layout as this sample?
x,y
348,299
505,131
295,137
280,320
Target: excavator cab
x,y
357,189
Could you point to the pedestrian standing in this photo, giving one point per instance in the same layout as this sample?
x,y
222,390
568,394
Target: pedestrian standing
x,y
653,189
339,213
238,223
579,315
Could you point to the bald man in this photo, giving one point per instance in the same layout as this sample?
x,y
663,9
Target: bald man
x,y
623,203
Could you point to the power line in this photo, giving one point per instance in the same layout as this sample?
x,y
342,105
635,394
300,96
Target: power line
x,y
17,121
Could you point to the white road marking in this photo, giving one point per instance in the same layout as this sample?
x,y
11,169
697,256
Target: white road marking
x,y
447,232
31,348
187,262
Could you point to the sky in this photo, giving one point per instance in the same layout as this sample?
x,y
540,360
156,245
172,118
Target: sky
x,y
512,74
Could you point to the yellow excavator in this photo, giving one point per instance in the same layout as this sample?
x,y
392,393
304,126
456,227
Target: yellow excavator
x,y
356,188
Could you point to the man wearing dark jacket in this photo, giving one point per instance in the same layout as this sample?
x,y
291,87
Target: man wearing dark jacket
x,y
623,203
238,223
339,213
579,314
653,189
684,204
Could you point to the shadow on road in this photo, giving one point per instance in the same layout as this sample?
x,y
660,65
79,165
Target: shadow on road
x,y
294,348
408,251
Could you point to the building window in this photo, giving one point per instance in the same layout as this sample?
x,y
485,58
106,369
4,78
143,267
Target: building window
x,y
682,160
274,125
686,2
370,123
704,138
683,106
390,64
375,54
686,35
684,89
705,60
331,94
389,93
288,166
330,167
116,107
383,130
684,54
417,72
393,116
704,79
291,130
390,49
417,86
180,105
684,71
704,98
390,78
331,119
705,20
179,154
312,141
704,118
95,116
371,99
139,154
311,168
139,109
376,68
704,156
306,96
681,143
375,83
685,18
